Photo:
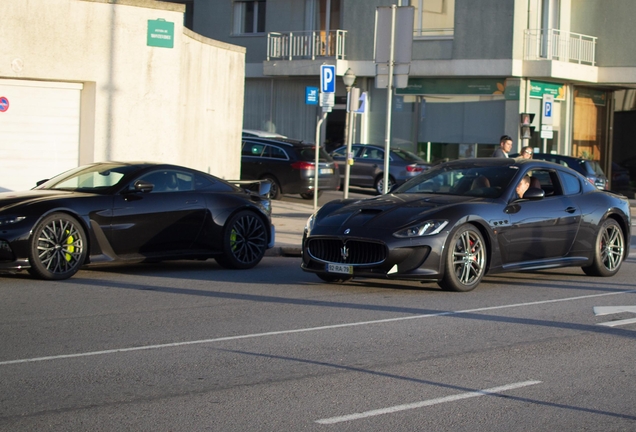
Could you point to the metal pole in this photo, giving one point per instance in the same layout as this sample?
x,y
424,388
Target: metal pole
x,y
389,103
350,117
317,168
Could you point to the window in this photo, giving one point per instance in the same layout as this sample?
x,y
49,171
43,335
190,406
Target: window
x,y
249,17
434,17
571,184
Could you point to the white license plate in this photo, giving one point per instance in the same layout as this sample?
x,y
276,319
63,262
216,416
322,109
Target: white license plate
x,y
340,268
326,171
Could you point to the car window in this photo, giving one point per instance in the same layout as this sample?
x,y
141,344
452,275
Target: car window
x,y
571,184
373,153
252,149
341,152
547,180
408,156
168,181
276,153
308,154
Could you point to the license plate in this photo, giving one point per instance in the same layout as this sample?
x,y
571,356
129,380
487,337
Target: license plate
x,y
326,171
340,268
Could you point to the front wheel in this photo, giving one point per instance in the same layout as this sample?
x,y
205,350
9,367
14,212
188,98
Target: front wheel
x,y
609,250
310,195
465,260
57,247
244,241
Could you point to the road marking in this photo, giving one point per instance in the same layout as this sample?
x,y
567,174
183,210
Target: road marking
x,y
304,330
609,310
426,403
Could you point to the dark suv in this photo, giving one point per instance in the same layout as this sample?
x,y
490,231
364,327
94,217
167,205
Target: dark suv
x,y
591,169
289,165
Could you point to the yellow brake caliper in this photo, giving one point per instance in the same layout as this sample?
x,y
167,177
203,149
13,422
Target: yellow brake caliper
x,y
70,248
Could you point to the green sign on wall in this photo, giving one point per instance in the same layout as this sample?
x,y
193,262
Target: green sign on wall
x,y
160,33
539,88
451,86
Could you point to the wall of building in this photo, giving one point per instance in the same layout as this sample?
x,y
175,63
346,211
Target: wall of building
x,y
181,105
612,21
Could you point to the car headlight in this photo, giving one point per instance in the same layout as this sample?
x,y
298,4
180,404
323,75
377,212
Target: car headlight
x,y
427,228
8,220
309,225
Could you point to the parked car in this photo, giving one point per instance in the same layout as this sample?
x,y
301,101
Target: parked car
x,y
260,133
132,212
620,179
591,169
463,219
368,166
289,165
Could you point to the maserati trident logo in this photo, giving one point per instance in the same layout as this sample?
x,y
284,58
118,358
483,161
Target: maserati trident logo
x,y
344,252
347,231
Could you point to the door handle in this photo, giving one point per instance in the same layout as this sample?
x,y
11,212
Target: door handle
x,y
570,209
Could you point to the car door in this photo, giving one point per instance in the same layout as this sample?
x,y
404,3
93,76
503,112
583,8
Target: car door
x,y
369,163
161,222
539,230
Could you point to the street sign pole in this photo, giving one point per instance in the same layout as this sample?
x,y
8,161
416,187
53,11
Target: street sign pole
x,y
389,103
327,96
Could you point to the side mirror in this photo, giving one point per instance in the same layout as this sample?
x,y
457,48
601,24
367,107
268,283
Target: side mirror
x,y
41,182
534,194
143,186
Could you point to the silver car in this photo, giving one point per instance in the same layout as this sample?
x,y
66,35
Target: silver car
x,y
368,166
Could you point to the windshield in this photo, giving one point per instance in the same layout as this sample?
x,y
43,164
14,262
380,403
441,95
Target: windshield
x,y
465,180
93,178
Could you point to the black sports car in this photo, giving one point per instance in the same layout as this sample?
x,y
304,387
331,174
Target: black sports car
x,y
132,212
464,219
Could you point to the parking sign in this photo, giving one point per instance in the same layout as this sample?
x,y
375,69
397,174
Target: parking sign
x,y
327,79
548,109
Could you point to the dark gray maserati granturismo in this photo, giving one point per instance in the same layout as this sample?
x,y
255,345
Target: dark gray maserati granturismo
x,y
133,212
467,218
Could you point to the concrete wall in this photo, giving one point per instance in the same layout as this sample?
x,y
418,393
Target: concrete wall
x,y
614,23
181,105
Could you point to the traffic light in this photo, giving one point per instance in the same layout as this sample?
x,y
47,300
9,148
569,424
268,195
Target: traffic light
x,y
525,123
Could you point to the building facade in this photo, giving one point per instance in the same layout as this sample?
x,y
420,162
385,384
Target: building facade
x,y
93,80
476,66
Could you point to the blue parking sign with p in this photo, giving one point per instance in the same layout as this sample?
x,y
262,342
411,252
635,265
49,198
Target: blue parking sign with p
x,y
327,79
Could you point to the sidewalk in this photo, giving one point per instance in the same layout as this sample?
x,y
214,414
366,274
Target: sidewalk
x,y
290,218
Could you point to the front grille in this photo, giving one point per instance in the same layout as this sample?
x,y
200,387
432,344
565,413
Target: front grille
x,y
347,251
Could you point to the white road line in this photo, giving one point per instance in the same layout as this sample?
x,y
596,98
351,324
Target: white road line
x,y
426,403
303,330
618,322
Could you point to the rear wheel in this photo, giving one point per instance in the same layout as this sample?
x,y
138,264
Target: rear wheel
x,y
334,278
465,260
244,241
379,184
609,250
274,191
57,247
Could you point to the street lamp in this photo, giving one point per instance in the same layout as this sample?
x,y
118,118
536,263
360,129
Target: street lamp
x,y
348,78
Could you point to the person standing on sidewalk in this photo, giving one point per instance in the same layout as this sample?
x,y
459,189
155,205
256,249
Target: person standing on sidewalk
x,y
505,145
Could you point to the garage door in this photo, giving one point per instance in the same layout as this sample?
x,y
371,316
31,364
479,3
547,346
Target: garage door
x,y
39,131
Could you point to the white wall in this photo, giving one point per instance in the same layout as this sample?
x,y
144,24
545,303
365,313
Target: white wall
x,y
180,105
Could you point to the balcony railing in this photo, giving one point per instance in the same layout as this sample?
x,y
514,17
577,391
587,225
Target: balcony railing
x,y
554,44
306,45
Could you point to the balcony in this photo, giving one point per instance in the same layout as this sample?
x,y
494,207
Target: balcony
x,y
554,44
306,45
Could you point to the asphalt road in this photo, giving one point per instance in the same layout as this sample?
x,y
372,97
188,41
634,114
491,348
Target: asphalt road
x,y
189,346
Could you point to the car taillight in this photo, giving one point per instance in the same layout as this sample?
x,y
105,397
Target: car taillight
x,y
302,165
414,168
